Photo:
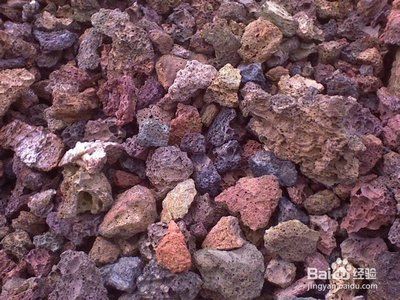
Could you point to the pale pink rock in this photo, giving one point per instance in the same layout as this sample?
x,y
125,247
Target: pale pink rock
x,y
225,235
327,227
280,272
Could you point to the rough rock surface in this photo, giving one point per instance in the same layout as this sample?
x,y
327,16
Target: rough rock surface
x,y
291,240
36,147
103,251
234,274
280,272
225,235
321,202
255,199
122,275
177,202
172,252
79,278
131,213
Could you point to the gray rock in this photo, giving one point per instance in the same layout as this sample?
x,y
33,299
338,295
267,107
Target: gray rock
x,y
278,15
49,241
266,163
55,40
78,278
287,210
157,282
236,274
122,275
153,133
220,130
228,156
205,175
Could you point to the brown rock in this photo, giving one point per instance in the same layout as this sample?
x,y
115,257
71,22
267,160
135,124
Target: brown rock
x,y
84,192
291,240
167,67
280,272
13,84
187,120
321,202
17,243
104,252
172,252
36,147
259,41
208,114
131,213
225,235
255,199
124,179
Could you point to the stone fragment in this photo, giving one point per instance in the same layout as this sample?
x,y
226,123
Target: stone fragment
x,y
307,30
167,68
371,155
298,86
317,261
153,133
108,21
280,272
223,90
78,278
103,251
172,252
41,204
177,202
193,143
13,84
272,114
17,243
327,227
55,40
122,275
91,156
287,210
118,95
40,261
167,167
208,114
228,156
298,288
235,274
34,146
277,14
387,271
84,192
104,130
391,133
321,202
391,33
28,222
394,233
76,229
291,240
157,281
49,241
6,264
88,57
371,206
73,133
131,213
225,42
187,120
362,251
220,130
255,199
225,235
253,73
266,163
259,41
149,93
194,77
19,288
124,179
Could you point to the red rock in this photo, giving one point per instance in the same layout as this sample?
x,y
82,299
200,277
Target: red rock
x,y
103,251
371,206
124,179
391,133
389,104
131,213
254,198
172,252
370,156
327,227
40,261
187,120
300,191
391,34
225,235
6,264
250,148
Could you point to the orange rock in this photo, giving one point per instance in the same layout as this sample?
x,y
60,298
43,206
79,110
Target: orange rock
x,y
172,252
225,235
